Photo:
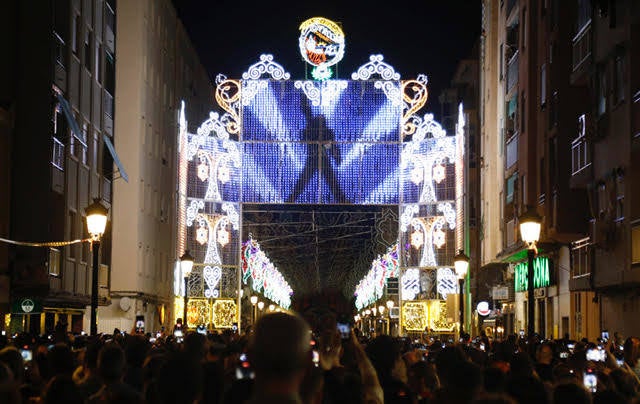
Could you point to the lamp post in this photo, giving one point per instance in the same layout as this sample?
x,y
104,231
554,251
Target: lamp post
x,y
390,304
254,300
96,223
382,319
530,223
461,264
186,265
260,307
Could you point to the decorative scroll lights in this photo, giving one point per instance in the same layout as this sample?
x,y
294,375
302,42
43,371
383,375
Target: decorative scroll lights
x,y
213,231
428,232
266,278
371,287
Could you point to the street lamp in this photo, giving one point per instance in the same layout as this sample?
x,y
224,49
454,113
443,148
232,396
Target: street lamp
x,y
461,264
254,300
96,223
260,307
530,223
390,304
186,265
382,320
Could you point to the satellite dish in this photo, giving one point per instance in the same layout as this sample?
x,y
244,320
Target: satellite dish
x,y
125,303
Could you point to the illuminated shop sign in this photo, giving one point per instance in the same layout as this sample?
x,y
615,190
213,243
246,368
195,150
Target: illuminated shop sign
x,y
541,274
321,44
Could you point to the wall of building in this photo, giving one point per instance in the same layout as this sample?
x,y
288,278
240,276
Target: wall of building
x,y
157,67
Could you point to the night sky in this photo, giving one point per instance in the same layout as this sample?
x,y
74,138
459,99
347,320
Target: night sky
x,y
425,36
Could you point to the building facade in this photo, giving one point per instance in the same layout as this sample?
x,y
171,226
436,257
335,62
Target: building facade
x,y
157,68
528,118
57,107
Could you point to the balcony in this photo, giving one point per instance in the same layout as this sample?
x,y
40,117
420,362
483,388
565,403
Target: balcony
x,y
581,265
512,71
581,56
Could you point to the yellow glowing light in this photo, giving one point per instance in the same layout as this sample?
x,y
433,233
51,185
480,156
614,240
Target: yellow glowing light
x,y
223,237
415,315
438,173
178,306
438,316
7,321
323,21
202,235
203,171
224,174
438,238
416,175
417,239
224,313
198,312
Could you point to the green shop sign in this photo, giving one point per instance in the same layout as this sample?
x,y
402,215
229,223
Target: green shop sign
x,y
26,305
541,274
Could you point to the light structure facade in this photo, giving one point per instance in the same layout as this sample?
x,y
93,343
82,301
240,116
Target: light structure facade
x,y
321,142
158,67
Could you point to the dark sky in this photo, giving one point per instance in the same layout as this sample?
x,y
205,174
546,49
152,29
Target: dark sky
x,y
428,36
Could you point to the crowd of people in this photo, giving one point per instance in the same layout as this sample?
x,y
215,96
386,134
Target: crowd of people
x,y
284,359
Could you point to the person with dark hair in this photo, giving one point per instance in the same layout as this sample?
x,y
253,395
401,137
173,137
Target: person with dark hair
x,y
180,379
136,348
90,382
632,357
9,391
62,389
573,393
61,360
544,362
423,380
111,367
386,356
625,383
280,354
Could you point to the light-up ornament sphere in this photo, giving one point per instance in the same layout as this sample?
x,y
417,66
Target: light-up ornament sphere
x,y
438,238
417,239
223,237
202,235
438,173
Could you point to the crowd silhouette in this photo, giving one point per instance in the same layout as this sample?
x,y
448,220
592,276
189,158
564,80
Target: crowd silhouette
x,y
285,359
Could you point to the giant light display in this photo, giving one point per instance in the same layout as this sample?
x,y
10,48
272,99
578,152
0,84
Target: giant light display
x,y
329,141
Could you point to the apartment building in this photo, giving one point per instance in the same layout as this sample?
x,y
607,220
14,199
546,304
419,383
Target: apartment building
x,y
605,57
56,92
529,111
157,68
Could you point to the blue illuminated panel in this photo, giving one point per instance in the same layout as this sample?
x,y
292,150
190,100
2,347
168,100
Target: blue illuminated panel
x,y
343,149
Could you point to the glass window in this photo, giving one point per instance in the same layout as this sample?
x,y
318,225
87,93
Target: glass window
x,y
511,186
87,49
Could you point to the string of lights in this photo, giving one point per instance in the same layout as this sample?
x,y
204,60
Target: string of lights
x,y
45,243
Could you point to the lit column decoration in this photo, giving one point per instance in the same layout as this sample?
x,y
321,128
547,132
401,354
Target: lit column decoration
x,y
186,265
530,224
96,223
461,263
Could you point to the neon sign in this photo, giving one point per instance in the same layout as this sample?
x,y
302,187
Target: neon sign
x,y
541,274
321,44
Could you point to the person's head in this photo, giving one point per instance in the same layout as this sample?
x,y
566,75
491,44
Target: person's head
x,y
521,365
61,360
624,382
571,393
385,355
111,362
179,370
12,358
62,389
136,348
544,354
422,376
280,346
632,351
447,360
527,390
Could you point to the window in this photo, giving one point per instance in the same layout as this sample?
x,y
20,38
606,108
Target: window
x,y
96,62
82,149
511,186
619,196
54,262
57,157
584,14
87,49
580,255
618,81
58,50
580,153
601,91
543,85
635,244
75,34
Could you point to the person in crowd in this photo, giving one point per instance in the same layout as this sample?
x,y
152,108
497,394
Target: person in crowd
x,y
180,379
386,356
62,389
280,355
136,347
89,381
544,362
111,368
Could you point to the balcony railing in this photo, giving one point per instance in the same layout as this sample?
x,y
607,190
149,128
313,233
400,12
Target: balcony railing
x,y
580,155
582,46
